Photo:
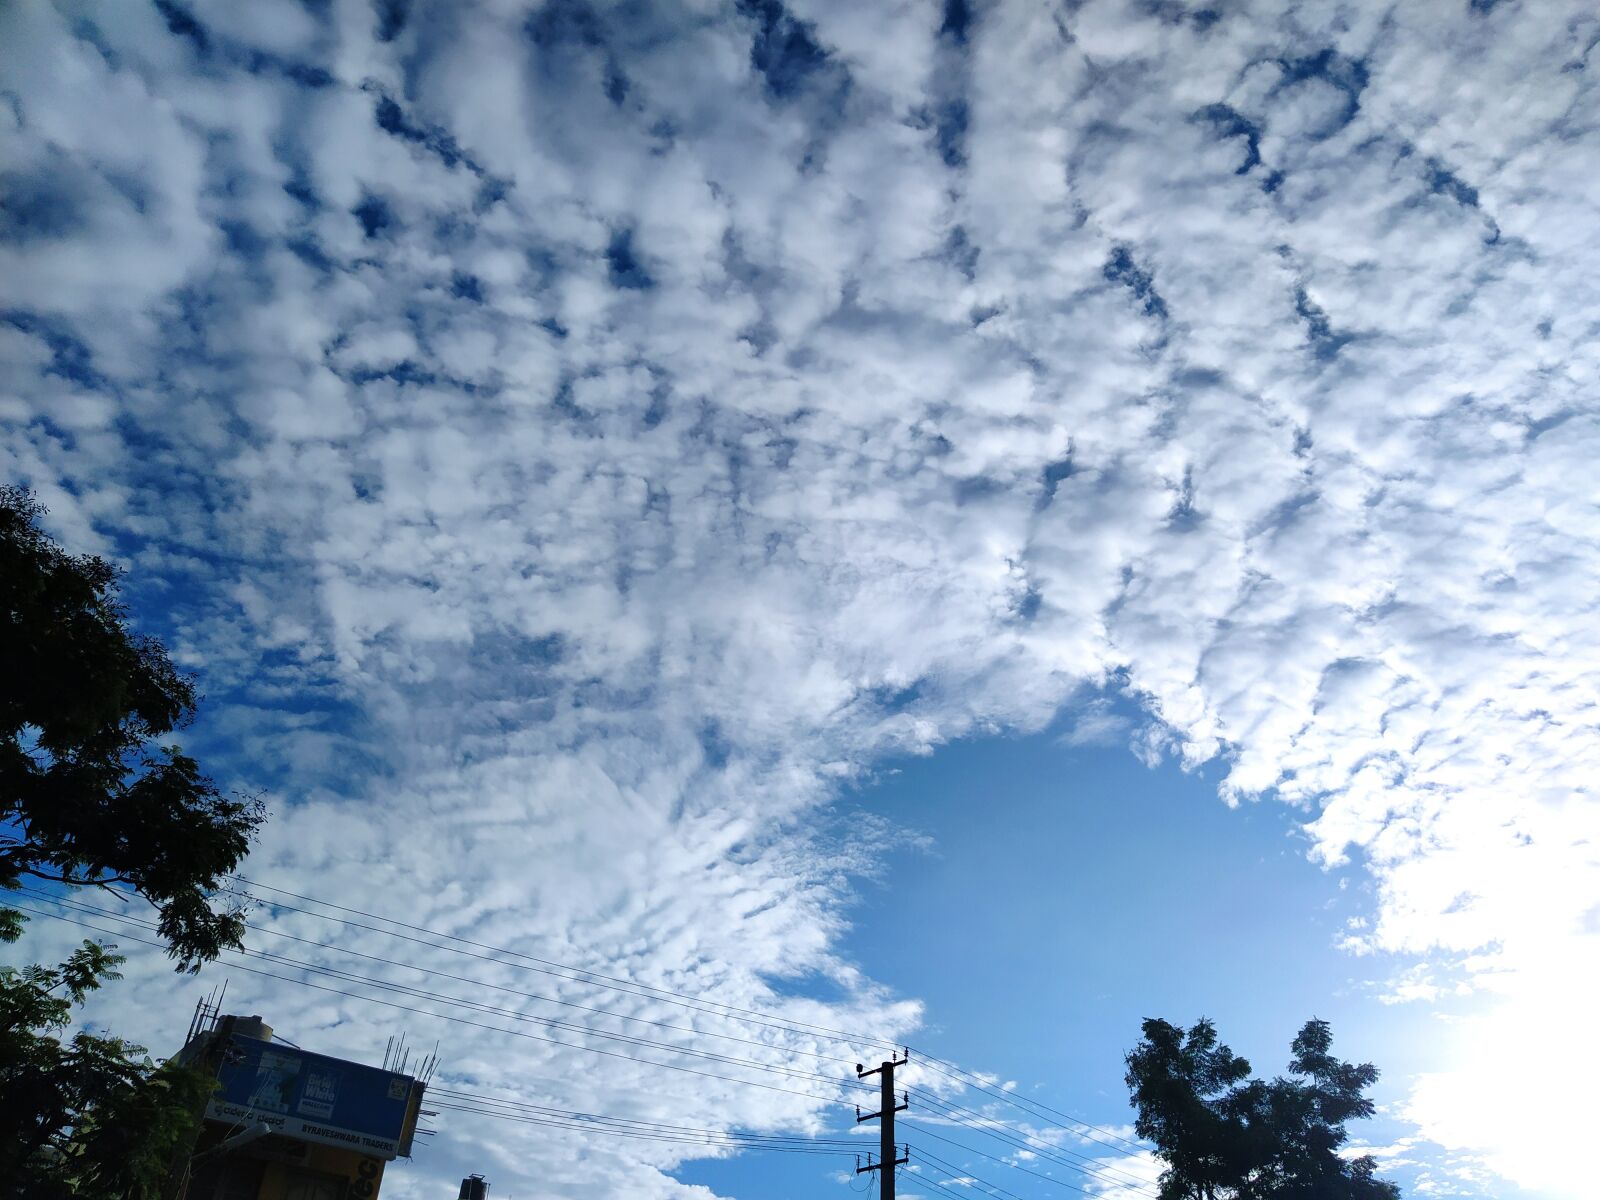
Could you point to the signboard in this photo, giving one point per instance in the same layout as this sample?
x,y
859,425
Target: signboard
x,y
313,1098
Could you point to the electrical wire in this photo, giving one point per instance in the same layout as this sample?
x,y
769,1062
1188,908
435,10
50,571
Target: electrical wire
x,y
964,1178
680,1002
1003,1162
942,1189
1029,1142
952,1071
594,1122
732,1143
464,1021
646,991
495,1010
792,1026
378,958
1034,1107
456,1095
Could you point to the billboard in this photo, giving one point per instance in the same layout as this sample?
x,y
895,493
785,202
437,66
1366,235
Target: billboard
x,y
314,1098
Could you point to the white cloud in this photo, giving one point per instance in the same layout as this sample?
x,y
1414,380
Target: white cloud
x,y
1258,381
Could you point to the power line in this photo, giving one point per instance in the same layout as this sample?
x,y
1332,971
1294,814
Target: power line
x,y
464,1021
793,1026
1057,1154
950,1070
378,958
490,1009
964,1178
1003,1162
645,991
733,1143
680,1002
985,1124
988,1125
465,1097
573,1120
619,986
924,1181
968,1079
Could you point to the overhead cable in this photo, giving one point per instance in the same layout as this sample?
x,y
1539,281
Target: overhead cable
x,y
495,1010
1090,1132
943,1067
1003,1162
1027,1141
1094,1133
464,1021
963,1177
709,1143
760,1017
457,1095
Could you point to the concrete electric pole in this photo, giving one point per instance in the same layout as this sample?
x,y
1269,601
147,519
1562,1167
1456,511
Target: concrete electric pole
x,y
888,1153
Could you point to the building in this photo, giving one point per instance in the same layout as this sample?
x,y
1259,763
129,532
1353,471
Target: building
x,y
287,1124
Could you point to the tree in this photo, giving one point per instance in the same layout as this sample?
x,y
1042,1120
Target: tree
x,y
1225,1136
87,796
91,1118
1177,1082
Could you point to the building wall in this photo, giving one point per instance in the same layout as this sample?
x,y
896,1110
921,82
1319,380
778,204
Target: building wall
x,y
330,1174
277,1166
287,1171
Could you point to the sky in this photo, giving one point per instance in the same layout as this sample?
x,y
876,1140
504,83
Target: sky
x,y
967,524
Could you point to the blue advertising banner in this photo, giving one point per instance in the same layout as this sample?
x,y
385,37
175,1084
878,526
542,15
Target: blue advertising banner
x,y
311,1097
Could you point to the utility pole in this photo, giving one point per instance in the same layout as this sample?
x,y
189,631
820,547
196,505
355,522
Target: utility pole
x,y
888,1153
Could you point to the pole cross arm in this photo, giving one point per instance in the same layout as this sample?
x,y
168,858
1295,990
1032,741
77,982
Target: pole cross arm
x,y
862,1073
901,1161
905,1103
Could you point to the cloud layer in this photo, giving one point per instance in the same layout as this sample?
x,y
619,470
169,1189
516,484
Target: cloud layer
x,y
570,439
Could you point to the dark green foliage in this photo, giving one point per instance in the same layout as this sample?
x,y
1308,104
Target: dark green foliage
x,y
1225,1136
86,794
1178,1082
90,1117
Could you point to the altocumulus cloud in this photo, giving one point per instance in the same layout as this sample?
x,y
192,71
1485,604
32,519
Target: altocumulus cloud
x,y
573,438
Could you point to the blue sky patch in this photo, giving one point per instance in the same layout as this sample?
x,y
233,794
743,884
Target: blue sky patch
x,y
1229,123
392,119
783,51
956,21
391,16
1444,182
375,215
1121,268
1325,341
623,266
1347,74
40,207
182,23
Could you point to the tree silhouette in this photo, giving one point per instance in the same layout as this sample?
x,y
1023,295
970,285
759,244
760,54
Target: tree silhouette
x,y
1225,1136
88,1117
87,796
